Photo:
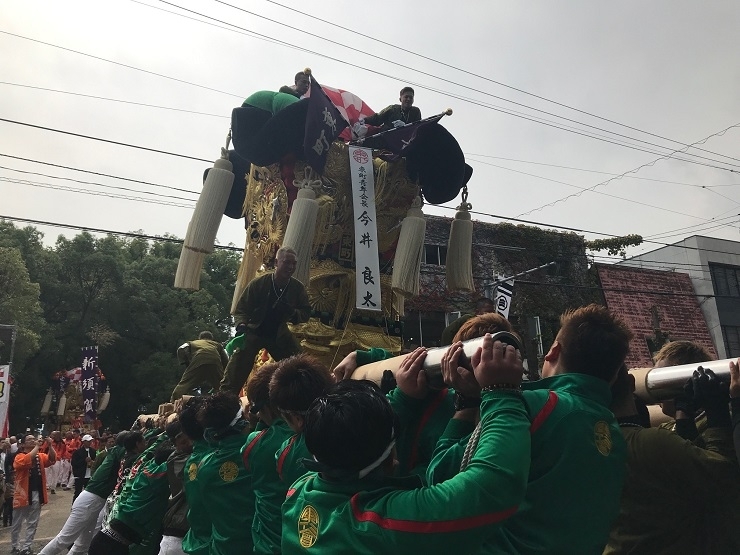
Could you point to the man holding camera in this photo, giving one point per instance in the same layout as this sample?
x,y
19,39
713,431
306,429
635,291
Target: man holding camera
x,y
82,460
262,314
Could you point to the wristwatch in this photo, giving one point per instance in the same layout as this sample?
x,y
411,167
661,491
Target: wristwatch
x,y
462,402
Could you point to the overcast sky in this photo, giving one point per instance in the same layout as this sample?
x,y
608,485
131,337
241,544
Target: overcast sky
x,y
671,68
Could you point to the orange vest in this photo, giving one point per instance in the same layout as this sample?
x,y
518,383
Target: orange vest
x,y
22,465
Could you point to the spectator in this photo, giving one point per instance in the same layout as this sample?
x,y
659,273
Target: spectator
x,y
82,460
205,360
700,486
30,492
351,507
262,314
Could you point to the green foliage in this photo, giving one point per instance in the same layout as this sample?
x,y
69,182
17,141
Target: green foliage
x,y
116,293
615,246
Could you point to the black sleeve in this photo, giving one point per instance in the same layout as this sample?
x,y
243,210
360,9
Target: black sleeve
x,y
735,404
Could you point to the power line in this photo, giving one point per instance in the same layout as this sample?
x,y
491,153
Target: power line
x,y
110,232
584,189
92,193
98,184
719,133
114,100
356,32
451,95
97,173
598,171
104,140
119,63
438,78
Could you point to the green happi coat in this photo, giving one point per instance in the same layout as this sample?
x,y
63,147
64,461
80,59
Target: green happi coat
x,y
289,459
577,471
368,517
269,490
197,541
225,491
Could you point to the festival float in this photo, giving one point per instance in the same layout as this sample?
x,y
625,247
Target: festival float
x,y
75,398
310,174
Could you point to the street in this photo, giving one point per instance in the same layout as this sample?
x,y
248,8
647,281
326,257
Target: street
x,y
53,517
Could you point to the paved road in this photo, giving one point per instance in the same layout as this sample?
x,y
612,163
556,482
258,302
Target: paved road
x,y
53,517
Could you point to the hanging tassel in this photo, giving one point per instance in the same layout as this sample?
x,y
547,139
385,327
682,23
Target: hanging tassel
x,y
247,270
407,262
299,234
104,400
204,223
62,405
459,265
47,403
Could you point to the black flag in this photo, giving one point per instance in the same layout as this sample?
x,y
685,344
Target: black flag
x,y
324,123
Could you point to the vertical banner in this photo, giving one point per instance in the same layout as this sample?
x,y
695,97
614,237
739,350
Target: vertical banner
x,y
4,398
88,382
504,292
324,123
367,265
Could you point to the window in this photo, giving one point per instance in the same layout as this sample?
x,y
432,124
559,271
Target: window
x,y
731,336
435,254
726,280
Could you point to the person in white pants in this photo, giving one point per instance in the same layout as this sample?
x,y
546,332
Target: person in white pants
x,y
79,526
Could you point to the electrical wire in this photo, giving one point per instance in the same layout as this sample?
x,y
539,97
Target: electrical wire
x,y
553,203
92,193
158,106
98,184
105,140
97,173
110,232
360,33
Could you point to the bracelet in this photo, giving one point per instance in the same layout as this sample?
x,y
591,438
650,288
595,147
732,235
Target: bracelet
x,y
462,402
504,386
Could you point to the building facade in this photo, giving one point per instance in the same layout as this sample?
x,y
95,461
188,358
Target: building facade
x,y
713,266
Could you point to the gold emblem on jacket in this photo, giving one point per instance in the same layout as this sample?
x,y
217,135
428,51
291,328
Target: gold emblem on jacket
x,y
192,471
228,471
603,437
308,526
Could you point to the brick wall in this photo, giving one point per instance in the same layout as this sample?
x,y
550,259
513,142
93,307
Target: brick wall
x,y
668,295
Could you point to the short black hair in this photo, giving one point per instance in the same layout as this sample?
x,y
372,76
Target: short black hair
x,y
297,381
121,438
188,418
350,426
218,410
173,429
132,440
407,89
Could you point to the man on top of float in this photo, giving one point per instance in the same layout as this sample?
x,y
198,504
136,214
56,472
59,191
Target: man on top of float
x,y
397,115
267,305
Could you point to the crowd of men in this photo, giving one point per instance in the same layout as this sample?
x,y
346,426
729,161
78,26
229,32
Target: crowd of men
x,y
313,461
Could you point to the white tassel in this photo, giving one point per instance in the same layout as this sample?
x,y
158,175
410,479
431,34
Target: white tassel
x,y
62,405
247,270
47,403
459,265
407,261
301,228
104,400
203,226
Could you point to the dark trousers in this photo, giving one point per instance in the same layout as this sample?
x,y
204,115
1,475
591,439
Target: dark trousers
x,y
102,544
80,484
240,364
8,512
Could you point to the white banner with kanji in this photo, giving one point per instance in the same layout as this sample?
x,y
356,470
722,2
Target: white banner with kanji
x,y
4,398
367,265
504,292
